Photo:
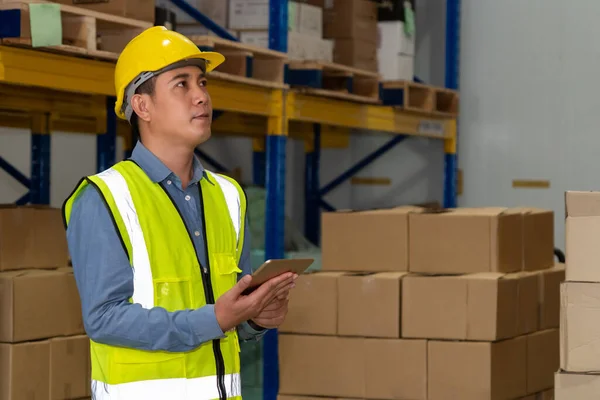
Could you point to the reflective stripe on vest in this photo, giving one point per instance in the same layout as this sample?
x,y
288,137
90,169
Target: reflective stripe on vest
x,y
204,388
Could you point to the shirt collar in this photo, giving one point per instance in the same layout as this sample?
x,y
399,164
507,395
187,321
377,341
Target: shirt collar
x,y
157,170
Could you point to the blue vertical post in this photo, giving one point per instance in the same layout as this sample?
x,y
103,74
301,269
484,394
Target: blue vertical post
x,y
259,162
452,76
40,168
275,187
106,142
312,186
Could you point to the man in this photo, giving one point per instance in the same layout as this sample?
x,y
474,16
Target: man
x,y
159,245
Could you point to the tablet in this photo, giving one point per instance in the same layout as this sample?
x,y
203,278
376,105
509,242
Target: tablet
x,y
272,268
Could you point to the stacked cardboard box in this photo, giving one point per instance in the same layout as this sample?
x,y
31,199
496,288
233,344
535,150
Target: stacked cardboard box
x,y
44,353
143,10
305,27
397,34
579,376
352,24
421,304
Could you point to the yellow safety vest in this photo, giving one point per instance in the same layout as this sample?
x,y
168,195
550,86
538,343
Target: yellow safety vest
x,y
151,228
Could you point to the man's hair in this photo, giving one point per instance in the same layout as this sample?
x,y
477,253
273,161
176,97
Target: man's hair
x,y
145,88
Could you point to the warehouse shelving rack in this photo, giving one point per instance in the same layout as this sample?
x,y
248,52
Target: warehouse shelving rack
x,y
48,92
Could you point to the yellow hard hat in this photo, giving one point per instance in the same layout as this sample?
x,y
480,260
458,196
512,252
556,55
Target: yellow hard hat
x,y
152,52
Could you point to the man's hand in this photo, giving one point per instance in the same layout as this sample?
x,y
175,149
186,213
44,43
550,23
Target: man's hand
x,y
233,308
273,314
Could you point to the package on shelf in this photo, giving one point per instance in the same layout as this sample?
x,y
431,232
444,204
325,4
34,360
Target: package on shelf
x,y
395,52
550,281
300,46
32,237
254,14
313,305
333,366
366,241
582,227
38,304
361,293
50,369
580,326
466,240
357,53
483,306
570,386
350,19
143,10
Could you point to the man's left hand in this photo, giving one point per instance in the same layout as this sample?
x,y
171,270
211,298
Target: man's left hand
x,y
273,314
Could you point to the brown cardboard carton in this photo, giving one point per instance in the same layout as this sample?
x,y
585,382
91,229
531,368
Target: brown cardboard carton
x,y
477,370
538,238
484,306
135,9
366,241
321,366
466,240
38,304
313,305
546,395
569,386
580,326
357,53
582,227
330,366
24,372
361,294
550,281
70,368
543,359
396,369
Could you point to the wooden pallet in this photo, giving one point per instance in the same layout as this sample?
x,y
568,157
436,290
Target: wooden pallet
x,y
421,98
334,80
246,63
84,32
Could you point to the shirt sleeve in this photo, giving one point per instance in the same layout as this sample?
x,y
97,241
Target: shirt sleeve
x,y
105,282
245,331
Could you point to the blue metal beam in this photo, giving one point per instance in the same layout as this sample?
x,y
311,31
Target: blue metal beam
x,y
312,205
14,172
106,142
259,164
362,164
23,199
217,165
326,206
278,25
40,168
204,20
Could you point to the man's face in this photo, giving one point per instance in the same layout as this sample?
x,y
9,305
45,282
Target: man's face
x,y
181,107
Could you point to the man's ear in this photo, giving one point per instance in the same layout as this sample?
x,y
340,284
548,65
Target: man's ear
x,y
139,104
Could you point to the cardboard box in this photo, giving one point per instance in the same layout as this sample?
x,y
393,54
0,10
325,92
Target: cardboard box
x,y
70,367
538,238
582,227
568,386
466,240
543,359
580,327
38,304
309,20
24,372
355,53
143,10
550,281
300,47
360,294
394,40
484,306
330,366
254,14
32,237
313,305
351,19
477,370
216,10
366,241
546,395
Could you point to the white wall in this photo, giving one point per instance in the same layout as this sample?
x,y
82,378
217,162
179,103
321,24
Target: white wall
x,y
529,101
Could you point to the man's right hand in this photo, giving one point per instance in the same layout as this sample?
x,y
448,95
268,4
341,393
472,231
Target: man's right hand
x,y
233,308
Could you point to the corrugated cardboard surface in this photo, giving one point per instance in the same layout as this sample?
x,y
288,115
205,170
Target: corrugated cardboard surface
x,y
24,372
580,327
38,304
543,359
550,281
568,386
466,240
31,237
70,368
582,228
538,238
485,306
375,241
369,304
328,366
356,53
313,304
477,370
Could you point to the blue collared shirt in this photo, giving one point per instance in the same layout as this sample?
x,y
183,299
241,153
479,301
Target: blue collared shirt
x,y
105,278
